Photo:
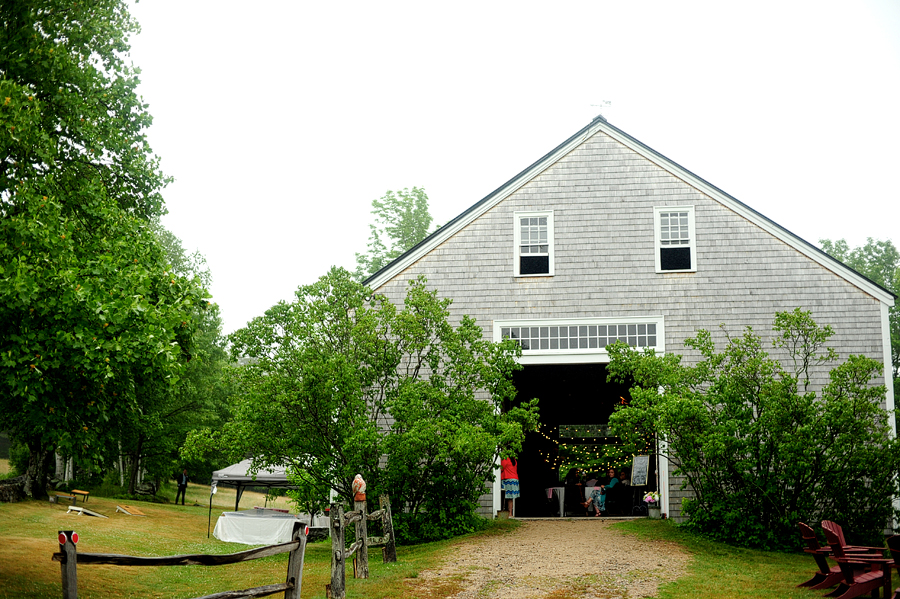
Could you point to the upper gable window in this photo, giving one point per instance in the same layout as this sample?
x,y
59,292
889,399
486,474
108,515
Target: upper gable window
x,y
675,239
534,244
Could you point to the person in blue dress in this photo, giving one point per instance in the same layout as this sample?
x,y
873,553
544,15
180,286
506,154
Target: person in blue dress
x,y
598,496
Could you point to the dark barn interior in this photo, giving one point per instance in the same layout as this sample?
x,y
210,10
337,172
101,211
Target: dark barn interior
x,y
569,394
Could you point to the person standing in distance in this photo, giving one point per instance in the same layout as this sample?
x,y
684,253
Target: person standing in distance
x,y
182,486
509,482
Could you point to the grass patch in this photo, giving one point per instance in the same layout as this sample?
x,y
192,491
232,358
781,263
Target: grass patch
x,y
728,572
29,532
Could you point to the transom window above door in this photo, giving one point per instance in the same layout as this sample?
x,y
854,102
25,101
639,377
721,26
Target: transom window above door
x,y
584,337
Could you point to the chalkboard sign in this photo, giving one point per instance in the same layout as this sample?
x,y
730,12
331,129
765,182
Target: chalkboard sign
x,y
640,469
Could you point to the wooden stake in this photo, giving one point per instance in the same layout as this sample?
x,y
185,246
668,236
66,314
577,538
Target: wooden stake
x,y
361,563
68,566
338,575
389,553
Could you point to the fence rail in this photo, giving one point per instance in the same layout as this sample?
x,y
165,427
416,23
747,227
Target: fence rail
x,y
69,558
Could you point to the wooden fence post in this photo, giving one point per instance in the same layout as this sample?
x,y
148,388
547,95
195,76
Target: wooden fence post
x,y
389,553
295,561
338,577
69,563
362,533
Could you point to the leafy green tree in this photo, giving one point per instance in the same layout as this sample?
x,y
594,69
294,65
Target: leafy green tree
x,y
760,446
88,309
402,220
880,262
151,438
341,381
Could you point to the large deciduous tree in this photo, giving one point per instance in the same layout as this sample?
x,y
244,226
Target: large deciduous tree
x,y
341,381
402,220
879,261
88,310
759,446
150,439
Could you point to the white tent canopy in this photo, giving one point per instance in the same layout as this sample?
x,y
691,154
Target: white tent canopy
x,y
239,476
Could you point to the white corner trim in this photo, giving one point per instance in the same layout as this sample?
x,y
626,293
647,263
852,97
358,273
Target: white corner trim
x,y
888,371
498,499
662,469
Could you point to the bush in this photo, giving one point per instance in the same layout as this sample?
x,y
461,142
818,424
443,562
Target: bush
x,y
411,529
760,446
18,458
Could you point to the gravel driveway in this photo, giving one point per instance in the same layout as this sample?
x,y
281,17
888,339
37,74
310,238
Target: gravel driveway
x,y
562,559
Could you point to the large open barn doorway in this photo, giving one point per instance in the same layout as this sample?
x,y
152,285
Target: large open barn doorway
x,y
575,404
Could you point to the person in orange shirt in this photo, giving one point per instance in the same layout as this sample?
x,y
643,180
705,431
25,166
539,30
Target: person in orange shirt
x,y
509,481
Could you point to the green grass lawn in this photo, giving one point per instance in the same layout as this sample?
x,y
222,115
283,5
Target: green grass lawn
x,y
727,572
29,531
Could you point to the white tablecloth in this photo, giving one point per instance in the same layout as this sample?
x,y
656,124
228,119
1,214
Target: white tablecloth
x,y
560,493
255,527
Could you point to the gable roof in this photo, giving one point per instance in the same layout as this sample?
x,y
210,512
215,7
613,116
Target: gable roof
x,y
599,124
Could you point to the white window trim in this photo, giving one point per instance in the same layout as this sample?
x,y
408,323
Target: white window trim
x,y
517,238
578,356
657,246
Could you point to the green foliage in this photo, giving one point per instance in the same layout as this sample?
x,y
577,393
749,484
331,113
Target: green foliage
x,y
341,382
153,436
411,529
91,320
18,458
880,262
402,220
760,446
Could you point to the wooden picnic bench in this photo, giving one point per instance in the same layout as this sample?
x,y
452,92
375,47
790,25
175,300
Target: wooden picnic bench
x,y
57,496
84,494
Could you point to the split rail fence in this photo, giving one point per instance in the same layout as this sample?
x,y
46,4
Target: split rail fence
x,y
69,559
338,521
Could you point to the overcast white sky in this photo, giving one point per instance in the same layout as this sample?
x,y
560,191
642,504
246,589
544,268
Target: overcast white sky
x,y
281,121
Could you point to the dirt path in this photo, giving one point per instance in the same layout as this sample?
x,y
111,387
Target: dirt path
x,y
558,559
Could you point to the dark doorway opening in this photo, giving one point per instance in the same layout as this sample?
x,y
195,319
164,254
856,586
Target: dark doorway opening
x,y
578,398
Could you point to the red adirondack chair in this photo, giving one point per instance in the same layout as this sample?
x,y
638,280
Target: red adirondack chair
x,y
839,533
893,544
857,581
827,576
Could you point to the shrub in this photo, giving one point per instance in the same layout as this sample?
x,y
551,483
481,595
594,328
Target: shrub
x,y
759,444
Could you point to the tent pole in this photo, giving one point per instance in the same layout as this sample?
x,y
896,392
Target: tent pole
x,y
209,518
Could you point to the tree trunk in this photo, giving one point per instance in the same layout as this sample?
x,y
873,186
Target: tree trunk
x,y
60,471
39,460
135,465
121,467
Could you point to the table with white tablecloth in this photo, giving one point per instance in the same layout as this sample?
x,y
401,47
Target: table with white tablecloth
x,y
255,527
560,493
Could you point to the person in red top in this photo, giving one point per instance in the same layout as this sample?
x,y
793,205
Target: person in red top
x,y
509,481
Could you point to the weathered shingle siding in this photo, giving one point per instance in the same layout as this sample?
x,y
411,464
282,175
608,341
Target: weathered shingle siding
x,y
603,195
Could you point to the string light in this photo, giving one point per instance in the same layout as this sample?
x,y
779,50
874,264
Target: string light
x,y
590,457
